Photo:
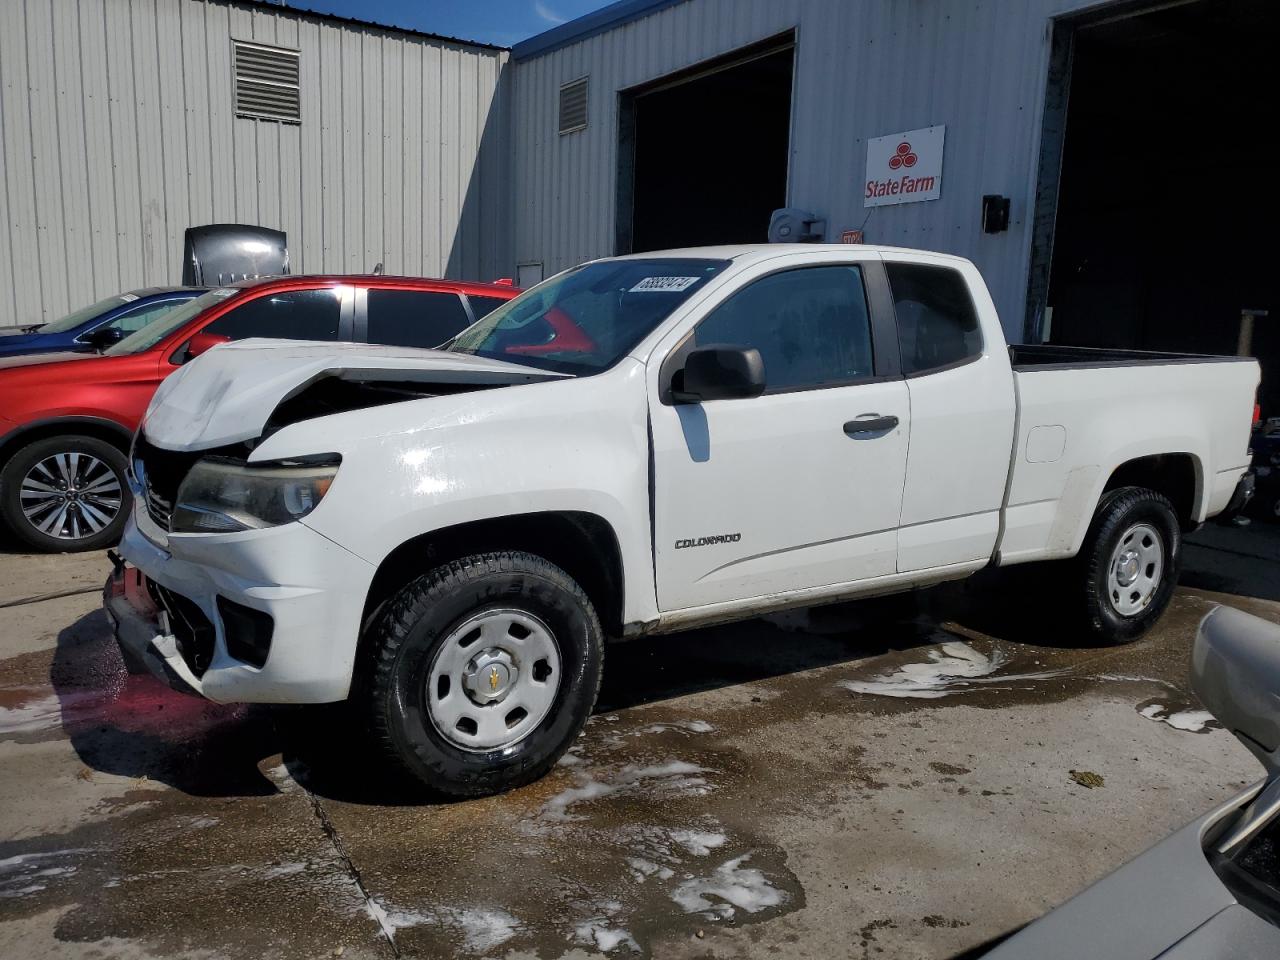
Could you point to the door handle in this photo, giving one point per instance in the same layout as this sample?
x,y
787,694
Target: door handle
x,y
869,423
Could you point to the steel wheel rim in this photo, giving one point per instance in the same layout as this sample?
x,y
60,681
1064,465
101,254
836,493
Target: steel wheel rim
x,y
1135,569
71,496
493,680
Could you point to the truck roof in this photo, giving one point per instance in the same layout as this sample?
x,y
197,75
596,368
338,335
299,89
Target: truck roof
x,y
746,252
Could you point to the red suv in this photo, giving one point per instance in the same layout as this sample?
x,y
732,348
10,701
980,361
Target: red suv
x,y
66,420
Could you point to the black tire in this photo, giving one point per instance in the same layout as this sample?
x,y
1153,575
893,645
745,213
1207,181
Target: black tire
x,y
28,532
408,634
1117,515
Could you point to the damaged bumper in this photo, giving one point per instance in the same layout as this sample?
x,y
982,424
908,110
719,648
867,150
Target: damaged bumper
x,y
210,614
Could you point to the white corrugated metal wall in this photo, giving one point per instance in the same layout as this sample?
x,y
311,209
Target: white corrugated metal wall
x,y
118,131
864,68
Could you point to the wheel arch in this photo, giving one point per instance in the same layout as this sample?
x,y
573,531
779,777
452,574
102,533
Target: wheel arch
x,y
116,434
1177,476
582,544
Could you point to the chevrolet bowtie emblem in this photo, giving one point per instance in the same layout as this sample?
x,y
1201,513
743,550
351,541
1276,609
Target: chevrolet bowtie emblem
x,y
493,678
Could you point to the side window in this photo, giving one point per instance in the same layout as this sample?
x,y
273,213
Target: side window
x,y
289,315
937,323
483,306
135,320
811,326
414,318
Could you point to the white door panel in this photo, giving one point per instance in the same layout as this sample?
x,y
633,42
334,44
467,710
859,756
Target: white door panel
x,y
762,496
962,413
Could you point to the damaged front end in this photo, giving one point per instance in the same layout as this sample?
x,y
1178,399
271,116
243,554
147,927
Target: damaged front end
x,y
193,461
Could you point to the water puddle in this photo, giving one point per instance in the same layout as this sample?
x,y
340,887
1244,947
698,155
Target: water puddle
x,y
950,668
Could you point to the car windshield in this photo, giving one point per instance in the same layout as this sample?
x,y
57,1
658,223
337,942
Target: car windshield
x,y
77,317
586,319
149,336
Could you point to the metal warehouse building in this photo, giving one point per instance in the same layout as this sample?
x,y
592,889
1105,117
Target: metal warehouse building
x,y
123,122
1132,141
1107,164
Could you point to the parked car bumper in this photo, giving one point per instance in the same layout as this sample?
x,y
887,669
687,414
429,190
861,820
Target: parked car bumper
x,y
207,613
1171,890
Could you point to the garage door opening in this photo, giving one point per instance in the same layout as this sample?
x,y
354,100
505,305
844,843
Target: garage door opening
x,y
703,153
1166,208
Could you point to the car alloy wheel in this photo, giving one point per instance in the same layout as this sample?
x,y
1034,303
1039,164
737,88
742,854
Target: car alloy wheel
x,y
71,496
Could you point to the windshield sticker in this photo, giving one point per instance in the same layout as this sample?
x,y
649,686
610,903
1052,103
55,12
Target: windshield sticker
x,y
664,284
128,297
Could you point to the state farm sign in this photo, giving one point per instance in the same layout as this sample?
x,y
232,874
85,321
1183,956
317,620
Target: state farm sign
x,y
904,167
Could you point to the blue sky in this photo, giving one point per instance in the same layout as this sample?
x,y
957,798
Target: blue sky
x,y
503,22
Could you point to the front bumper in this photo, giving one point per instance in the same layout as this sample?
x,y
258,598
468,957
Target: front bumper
x,y
312,590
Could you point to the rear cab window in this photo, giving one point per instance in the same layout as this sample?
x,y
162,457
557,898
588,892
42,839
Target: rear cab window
x,y
937,321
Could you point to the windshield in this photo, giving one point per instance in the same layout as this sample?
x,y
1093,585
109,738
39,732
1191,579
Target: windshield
x,y
74,319
149,336
586,319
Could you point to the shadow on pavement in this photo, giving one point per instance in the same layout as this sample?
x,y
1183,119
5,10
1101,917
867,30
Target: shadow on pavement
x,y
1242,560
135,726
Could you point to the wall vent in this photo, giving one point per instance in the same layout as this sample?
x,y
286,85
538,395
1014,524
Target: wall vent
x,y
267,82
573,106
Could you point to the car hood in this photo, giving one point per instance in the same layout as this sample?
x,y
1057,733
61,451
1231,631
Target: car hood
x,y
231,393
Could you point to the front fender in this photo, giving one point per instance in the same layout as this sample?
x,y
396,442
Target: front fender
x,y
413,468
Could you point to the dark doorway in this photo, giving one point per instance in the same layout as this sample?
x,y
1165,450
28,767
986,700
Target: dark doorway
x,y
1167,206
704,153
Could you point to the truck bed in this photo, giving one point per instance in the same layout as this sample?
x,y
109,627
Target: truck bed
x,y
1084,412
1052,356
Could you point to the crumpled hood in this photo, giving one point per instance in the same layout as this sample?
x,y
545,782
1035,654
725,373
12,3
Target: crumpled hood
x,y
228,394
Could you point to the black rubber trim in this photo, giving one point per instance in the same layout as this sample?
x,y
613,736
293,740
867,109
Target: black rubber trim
x,y
1050,356
885,350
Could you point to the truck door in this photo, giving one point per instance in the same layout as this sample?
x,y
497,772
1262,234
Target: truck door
x,y
798,488
962,413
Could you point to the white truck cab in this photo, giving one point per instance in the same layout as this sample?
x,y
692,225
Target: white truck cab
x,y
637,445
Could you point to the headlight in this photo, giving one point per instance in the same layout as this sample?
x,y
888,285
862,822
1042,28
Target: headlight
x,y
222,496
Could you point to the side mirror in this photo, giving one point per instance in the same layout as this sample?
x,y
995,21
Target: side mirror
x,y
203,342
104,337
719,373
1235,671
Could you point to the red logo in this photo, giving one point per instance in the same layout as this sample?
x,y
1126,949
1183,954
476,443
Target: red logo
x,y
904,157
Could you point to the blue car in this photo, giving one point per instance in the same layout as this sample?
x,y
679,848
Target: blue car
x,y
99,325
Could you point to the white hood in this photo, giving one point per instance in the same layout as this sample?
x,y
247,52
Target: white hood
x,y
227,395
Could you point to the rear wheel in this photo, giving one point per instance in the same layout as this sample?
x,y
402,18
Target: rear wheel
x,y
64,494
1130,561
482,672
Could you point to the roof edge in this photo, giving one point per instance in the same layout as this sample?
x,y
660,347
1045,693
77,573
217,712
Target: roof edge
x,y
288,7
589,25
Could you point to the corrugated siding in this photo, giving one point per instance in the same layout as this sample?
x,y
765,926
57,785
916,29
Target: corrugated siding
x,y
118,131
864,68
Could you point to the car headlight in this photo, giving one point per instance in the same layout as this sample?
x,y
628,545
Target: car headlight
x,y
223,496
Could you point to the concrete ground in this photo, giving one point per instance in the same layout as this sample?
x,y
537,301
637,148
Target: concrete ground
x,y
845,782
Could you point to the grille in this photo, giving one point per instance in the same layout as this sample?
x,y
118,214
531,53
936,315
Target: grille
x,y
160,472
267,82
192,630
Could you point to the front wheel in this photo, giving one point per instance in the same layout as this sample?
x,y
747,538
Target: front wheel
x,y
1130,561
481,672
67,493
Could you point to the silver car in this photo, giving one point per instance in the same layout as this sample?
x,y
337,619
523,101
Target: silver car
x,y
1212,890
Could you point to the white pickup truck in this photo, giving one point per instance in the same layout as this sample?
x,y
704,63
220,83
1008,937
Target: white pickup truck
x,y
641,445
